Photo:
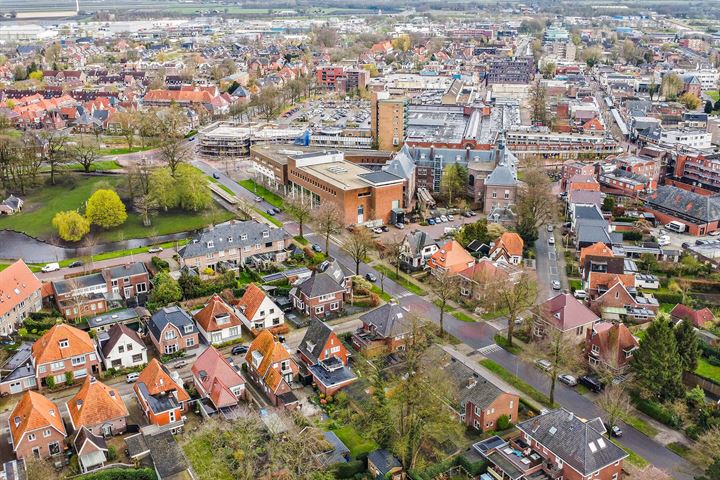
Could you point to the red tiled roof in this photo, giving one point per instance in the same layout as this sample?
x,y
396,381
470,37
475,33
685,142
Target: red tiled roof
x,y
157,380
598,249
95,403
272,352
34,411
451,256
597,279
215,310
47,348
218,377
251,301
17,284
511,242
697,317
180,96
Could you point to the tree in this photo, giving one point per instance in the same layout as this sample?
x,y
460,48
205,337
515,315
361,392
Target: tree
x,y
592,56
300,211
560,352
328,220
649,261
514,296
706,450
53,153
535,204
548,70
193,193
657,364
358,245
474,231
708,107
712,472
267,102
166,290
36,76
162,188
454,181
84,154
71,226
671,85
688,345
401,43
538,105
445,287
608,204
140,191
325,37
173,153
615,401
690,100
105,209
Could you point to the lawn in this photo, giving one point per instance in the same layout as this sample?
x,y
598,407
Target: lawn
x,y
42,204
679,448
384,295
100,165
706,370
463,317
516,382
226,189
199,451
301,240
352,439
270,197
269,217
401,280
714,94
502,341
641,425
124,150
575,284
633,458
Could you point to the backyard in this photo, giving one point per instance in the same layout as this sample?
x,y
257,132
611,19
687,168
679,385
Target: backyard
x,y
42,204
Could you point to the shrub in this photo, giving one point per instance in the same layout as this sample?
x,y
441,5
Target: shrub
x,y
632,236
503,423
668,297
658,412
112,453
69,378
159,263
50,381
121,474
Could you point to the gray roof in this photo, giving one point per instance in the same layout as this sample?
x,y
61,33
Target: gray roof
x,y
384,461
418,240
127,270
502,175
339,453
166,454
84,281
320,284
115,333
389,320
158,403
586,197
588,212
232,234
402,165
172,314
573,440
380,178
316,336
117,316
593,231
685,204
85,434
330,378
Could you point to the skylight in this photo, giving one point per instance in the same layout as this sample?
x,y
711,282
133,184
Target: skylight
x,y
593,447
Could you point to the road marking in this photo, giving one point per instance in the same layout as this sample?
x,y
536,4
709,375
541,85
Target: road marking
x,y
403,295
494,347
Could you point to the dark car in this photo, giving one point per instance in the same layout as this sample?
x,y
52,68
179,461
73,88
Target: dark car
x,y
277,210
614,430
239,349
685,245
76,263
700,242
371,277
592,383
270,211
317,248
385,228
216,176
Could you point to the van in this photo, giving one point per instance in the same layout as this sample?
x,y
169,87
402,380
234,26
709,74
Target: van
x,y
51,267
676,226
132,377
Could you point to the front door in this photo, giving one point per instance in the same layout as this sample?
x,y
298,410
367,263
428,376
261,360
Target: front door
x,y
107,430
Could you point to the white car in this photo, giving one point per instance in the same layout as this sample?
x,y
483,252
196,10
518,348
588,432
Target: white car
x,y
155,249
51,267
580,294
714,233
543,364
568,380
444,218
451,218
556,285
551,241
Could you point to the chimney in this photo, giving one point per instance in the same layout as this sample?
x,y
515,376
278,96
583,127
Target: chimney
x,y
93,379
571,416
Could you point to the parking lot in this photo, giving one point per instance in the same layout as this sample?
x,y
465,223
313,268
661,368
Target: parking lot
x,y
436,232
320,115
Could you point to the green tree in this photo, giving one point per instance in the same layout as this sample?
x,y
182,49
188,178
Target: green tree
x,y
688,345
69,378
548,71
608,204
690,100
166,290
454,181
657,364
105,209
191,184
474,231
71,226
712,472
162,189
708,107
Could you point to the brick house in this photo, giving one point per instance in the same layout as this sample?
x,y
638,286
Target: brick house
x,y
20,295
217,381
36,427
699,318
479,281
64,349
218,322
272,369
610,345
563,314
326,358
324,293
99,408
451,258
556,444
385,330
161,399
509,247
258,309
614,297
172,329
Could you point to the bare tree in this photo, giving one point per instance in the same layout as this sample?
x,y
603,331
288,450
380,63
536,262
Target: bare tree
x,y
84,153
535,204
615,401
299,211
445,287
54,154
358,245
560,352
328,220
393,250
514,295
173,153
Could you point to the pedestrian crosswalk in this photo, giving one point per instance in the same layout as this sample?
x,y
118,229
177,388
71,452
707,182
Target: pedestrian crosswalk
x,y
493,347
403,294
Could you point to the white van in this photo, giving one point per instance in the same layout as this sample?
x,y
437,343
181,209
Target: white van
x,y
51,267
676,226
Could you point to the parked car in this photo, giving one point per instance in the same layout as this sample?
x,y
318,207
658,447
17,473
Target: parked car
x,y
568,380
472,214
431,221
438,220
316,248
451,218
467,214
132,377
370,277
556,285
258,199
685,245
216,176
443,218
5,340
180,364
270,211
700,242
276,210
400,225
155,249
385,228
714,233
549,228
239,349
378,230
591,382
543,364
580,294
51,267
614,430
551,240
76,263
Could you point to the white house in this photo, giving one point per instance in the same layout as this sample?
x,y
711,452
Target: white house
x,y
121,347
218,322
258,309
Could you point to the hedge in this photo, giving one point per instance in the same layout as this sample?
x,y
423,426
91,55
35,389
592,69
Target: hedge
x,y
668,297
631,236
121,474
349,469
658,412
160,264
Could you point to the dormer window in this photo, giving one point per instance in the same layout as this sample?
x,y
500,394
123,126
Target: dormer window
x,y
17,421
188,328
229,239
243,236
64,343
210,244
222,319
266,234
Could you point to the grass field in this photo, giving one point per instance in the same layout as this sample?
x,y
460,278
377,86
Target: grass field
x,y
42,204
124,150
202,456
401,280
269,217
706,370
516,382
641,425
100,165
633,458
714,94
352,439
270,197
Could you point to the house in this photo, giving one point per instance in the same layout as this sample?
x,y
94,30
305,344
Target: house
x,y
121,347
11,205
563,314
555,444
218,322
19,296
98,408
18,371
451,258
172,329
509,247
323,294
258,310
326,358
615,298
64,351
36,427
218,383
231,244
383,465
161,398
480,280
91,450
476,400
135,318
416,249
699,318
272,369
384,330
610,346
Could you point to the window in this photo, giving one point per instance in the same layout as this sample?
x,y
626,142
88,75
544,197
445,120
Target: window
x,y
233,331
46,432
170,334
243,236
334,306
595,349
54,448
31,437
121,348
128,347
57,366
141,287
78,361
172,416
579,330
319,309
494,194
137,358
266,234
64,343
190,342
188,328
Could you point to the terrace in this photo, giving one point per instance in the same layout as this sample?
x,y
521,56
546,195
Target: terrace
x,y
515,460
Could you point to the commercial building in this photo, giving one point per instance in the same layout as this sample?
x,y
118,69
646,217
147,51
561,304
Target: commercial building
x,y
341,79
